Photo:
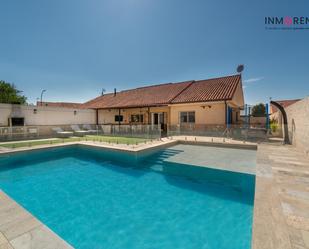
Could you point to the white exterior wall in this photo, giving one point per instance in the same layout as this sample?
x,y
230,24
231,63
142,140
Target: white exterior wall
x,y
49,115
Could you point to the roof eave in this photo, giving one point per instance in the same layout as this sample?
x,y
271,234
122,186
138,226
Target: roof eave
x,y
201,101
130,107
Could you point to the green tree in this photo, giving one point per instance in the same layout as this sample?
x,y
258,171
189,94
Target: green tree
x,y
9,94
258,110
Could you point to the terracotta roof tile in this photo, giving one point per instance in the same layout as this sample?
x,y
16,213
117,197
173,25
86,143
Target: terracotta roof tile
x,y
209,90
183,92
139,97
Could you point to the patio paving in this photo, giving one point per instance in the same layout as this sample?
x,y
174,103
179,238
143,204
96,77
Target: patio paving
x,y
281,208
20,230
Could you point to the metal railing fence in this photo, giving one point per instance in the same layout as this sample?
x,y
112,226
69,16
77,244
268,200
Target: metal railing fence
x,y
237,132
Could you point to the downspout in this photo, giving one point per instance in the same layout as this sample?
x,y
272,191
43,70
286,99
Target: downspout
x,y
97,116
119,110
225,113
267,117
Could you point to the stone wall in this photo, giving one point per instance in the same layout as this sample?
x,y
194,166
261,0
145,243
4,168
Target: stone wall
x,y
298,124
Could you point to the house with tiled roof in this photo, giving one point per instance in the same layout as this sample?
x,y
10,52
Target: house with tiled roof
x,y
215,101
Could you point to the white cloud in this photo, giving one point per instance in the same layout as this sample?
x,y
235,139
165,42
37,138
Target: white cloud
x,y
251,80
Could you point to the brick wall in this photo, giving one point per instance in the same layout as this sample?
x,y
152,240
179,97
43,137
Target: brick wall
x,y
298,122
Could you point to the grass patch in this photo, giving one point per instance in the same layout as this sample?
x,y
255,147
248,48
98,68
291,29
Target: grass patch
x,y
105,139
119,140
20,144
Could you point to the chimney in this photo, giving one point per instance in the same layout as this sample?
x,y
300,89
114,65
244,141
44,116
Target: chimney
x,y
115,92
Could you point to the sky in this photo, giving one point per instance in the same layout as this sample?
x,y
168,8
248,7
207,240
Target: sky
x,y
75,48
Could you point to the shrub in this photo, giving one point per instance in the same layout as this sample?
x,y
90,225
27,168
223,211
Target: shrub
x,y
274,125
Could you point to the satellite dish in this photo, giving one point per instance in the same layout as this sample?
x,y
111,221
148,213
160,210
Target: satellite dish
x,y
240,68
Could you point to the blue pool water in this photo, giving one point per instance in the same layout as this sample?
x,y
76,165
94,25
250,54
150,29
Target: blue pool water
x,y
101,199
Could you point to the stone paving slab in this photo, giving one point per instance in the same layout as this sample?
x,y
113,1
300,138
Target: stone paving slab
x,y
20,230
3,239
6,246
38,238
281,207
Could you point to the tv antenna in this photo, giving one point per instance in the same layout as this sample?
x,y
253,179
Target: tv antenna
x,y
103,91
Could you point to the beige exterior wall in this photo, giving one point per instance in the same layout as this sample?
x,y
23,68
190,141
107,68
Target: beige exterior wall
x,y
255,121
107,116
298,124
49,115
276,116
203,114
238,98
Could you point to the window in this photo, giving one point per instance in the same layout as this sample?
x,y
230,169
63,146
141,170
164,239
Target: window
x,y
137,118
118,118
191,117
187,117
183,117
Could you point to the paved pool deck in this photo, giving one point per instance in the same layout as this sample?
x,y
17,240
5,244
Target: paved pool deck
x,y
281,209
20,230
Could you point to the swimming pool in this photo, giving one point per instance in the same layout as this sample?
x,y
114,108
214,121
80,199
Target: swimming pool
x,y
96,198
